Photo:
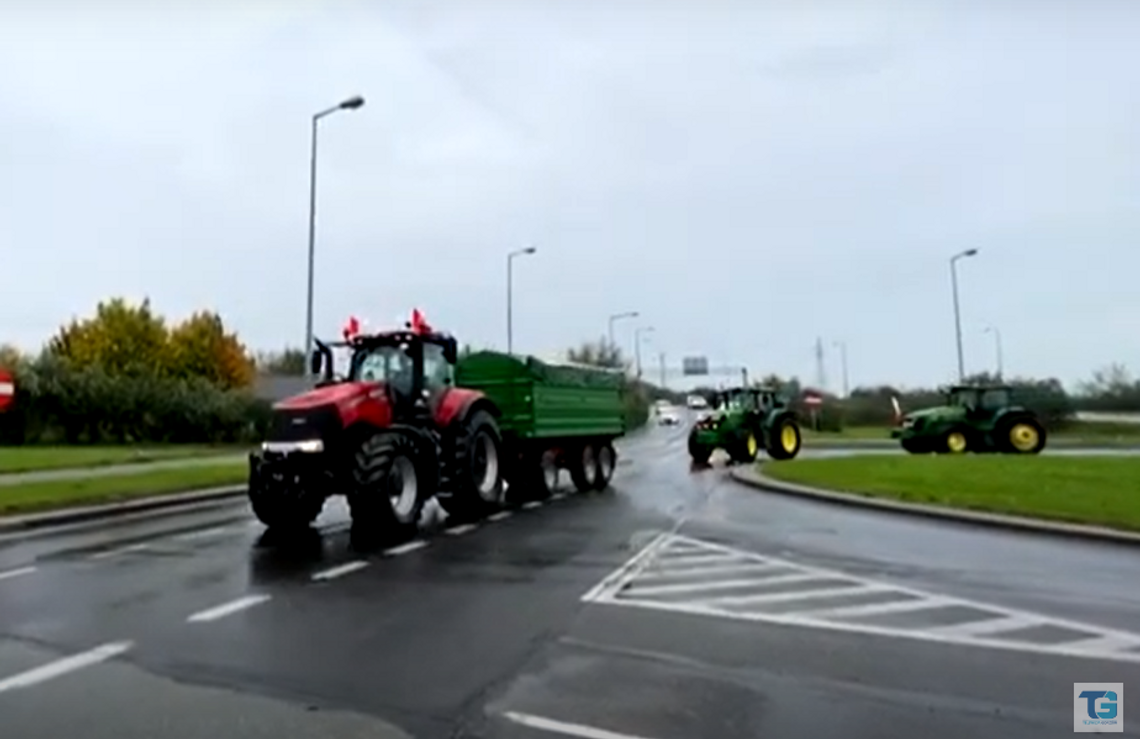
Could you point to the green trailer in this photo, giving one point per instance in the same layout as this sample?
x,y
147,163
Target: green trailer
x,y
551,417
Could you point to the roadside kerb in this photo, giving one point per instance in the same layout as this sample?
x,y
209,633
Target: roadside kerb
x,y
755,478
63,516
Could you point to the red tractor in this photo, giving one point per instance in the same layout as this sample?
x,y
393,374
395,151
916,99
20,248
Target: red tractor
x,y
389,435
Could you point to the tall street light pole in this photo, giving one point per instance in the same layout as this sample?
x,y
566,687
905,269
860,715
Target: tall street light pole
x,y
510,278
619,317
957,314
351,103
842,346
637,332
997,348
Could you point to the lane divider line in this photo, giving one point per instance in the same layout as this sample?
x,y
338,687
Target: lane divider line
x,y
411,546
460,530
225,609
65,665
202,534
531,505
500,516
566,728
19,572
340,571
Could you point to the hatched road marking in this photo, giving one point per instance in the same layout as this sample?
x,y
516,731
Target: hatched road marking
x,y
685,575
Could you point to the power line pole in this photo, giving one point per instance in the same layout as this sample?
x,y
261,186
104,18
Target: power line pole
x,y
661,357
820,374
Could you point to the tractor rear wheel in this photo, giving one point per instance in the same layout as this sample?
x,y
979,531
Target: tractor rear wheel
x,y
584,468
389,485
1022,436
784,439
476,471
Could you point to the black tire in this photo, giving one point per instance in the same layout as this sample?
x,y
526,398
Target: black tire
x,y
281,509
697,451
584,468
476,469
1008,436
607,464
955,441
915,446
784,439
535,478
745,449
389,485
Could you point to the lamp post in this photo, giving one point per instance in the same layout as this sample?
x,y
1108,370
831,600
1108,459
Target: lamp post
x,y
351,103
637,332
957,314
842,346
619,317
510,273
997,348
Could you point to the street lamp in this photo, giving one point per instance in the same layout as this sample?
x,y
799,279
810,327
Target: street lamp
x,y
957,315
351,103
997,347
510,260
842,346
637,332
618,317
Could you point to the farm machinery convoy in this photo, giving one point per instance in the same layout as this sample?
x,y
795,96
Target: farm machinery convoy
x,y
411,420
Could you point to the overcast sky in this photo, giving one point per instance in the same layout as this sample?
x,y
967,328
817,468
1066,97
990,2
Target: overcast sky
x,y
748,176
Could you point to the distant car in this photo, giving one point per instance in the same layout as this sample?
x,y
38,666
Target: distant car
x,y
697,401
668,416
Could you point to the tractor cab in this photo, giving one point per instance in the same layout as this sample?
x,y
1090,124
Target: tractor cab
x,y
980,401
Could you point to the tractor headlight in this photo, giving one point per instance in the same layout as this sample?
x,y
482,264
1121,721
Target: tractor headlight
x,y
308,446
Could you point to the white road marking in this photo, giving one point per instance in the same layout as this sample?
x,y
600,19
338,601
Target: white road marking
x,y
225,609
909,613
202,534
411,546
500,516
334,572
532,504
558,496
567,729
63,666
142,547
18,572
462,529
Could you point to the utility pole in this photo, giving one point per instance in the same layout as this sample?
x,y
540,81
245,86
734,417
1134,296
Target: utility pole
x,y
661,357
820,374
842,345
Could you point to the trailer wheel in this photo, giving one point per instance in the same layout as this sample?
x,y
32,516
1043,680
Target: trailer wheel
x,y
584,468
607,462
389,485
476,469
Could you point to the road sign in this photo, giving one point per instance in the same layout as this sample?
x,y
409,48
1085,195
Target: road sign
x,y
7,390
813,399
694,366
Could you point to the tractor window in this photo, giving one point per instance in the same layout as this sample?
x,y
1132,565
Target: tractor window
x,y
995,399
437,370
383,364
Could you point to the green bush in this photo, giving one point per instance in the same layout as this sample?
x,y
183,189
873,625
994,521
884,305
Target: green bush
x,y
57,403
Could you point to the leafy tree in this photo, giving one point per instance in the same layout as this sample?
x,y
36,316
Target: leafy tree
x,y
121,338
598,354
201,347
289,363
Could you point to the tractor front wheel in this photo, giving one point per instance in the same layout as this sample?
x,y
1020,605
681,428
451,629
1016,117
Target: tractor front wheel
x,y
955,441
746,448
1023,436
697,451
389,486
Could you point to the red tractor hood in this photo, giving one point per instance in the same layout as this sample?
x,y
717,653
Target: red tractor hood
x,y
340,395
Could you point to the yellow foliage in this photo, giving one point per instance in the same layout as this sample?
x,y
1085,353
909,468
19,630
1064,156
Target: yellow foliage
x,y
200,347
131,340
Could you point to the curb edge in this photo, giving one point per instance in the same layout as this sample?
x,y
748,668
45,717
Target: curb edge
x,y
27,522
757,479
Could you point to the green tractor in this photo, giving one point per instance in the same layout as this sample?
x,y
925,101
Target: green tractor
x,y
975,418
743,420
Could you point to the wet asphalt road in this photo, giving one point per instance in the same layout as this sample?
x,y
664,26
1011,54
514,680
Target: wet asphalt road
x,y
196,625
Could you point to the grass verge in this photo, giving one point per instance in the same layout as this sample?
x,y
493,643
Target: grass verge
x,y
42,496
1095,490
35,458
